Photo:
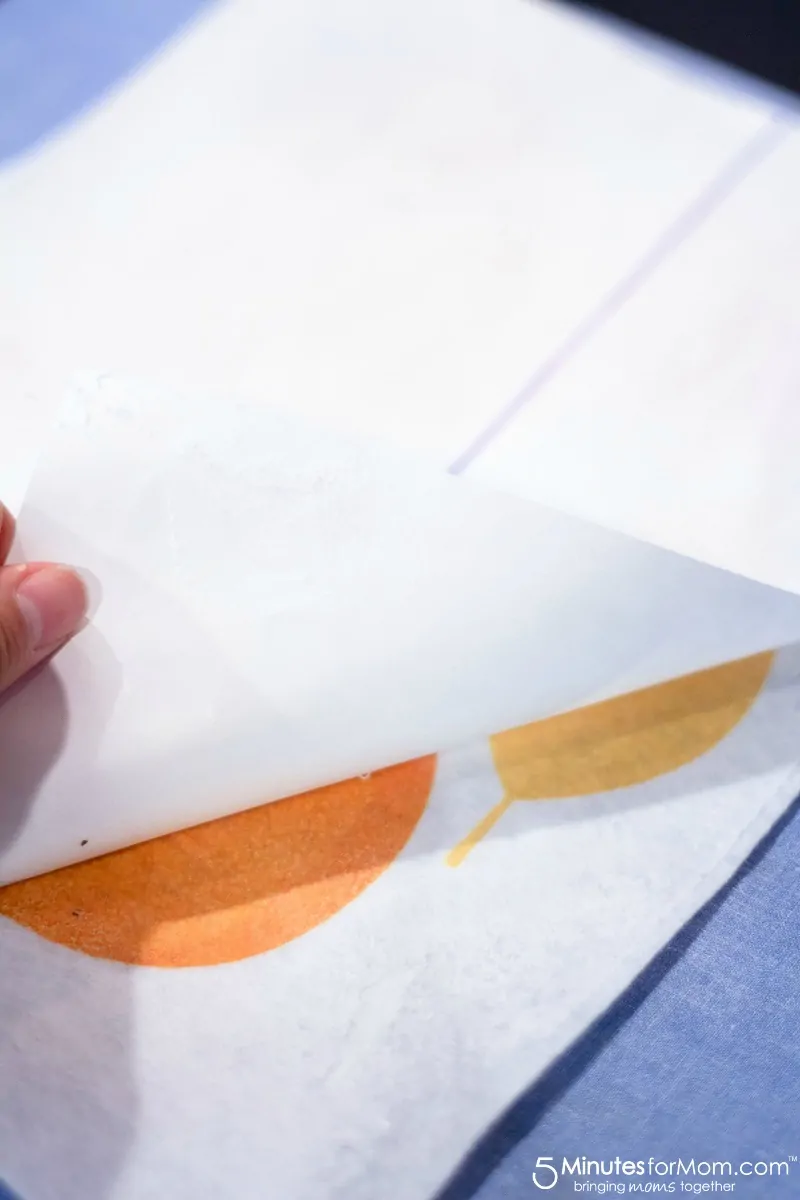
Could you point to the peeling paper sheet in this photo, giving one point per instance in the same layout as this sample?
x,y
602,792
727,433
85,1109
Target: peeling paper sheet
x,y
284,607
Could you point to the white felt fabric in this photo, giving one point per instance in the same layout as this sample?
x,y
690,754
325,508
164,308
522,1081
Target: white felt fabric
x,y
386,214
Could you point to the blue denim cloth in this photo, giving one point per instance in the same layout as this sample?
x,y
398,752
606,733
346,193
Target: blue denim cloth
x,y
58,56
700,1058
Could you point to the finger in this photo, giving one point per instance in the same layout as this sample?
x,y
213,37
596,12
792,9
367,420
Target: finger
x,y
7,530
41,607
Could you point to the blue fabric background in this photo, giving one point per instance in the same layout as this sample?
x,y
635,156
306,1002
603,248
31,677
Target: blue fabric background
x,y
58,56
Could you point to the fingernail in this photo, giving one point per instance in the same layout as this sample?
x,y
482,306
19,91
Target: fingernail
x,y
91,586
53,602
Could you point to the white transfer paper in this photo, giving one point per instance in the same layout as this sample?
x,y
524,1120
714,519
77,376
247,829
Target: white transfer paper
x,y
283,607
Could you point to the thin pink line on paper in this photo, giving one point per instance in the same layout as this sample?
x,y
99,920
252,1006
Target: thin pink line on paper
x,y
755,151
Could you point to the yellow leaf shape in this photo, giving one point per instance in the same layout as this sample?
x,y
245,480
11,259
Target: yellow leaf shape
x,y
620,742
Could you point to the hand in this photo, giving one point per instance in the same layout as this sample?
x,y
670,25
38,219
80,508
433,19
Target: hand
x,y
41,607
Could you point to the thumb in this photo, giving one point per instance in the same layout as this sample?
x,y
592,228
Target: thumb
x,y
41,607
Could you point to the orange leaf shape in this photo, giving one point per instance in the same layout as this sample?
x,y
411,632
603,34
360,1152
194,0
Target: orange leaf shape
x,y
620,742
